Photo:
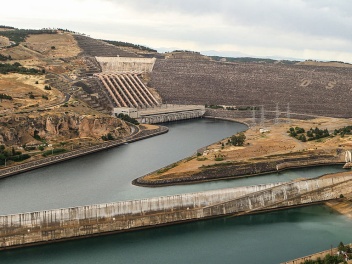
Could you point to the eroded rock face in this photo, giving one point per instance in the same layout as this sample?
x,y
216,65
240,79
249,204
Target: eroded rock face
x,y
21,130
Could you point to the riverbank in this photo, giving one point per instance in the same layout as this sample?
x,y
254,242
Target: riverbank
x,y
137,135
312,257
272,151
342,206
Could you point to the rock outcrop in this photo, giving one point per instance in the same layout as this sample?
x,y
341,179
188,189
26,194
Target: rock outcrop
x,y
22,130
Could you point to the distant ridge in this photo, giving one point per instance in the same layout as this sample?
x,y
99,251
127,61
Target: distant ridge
x,y
250,59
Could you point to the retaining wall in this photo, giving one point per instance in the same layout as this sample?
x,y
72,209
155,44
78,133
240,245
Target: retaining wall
x,y
31,165
242,169
61,224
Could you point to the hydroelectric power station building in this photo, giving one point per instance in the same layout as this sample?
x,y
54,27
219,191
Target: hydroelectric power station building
x,y
120,77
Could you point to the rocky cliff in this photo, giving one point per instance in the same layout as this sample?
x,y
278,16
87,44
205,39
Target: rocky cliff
x,y
20,130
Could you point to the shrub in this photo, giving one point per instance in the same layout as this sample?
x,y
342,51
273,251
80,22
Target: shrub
x,y
5,96
127,118
53,151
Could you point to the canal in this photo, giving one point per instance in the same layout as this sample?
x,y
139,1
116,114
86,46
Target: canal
x,y
106,177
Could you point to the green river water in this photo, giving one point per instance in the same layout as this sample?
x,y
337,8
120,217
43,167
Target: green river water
x,y
106,176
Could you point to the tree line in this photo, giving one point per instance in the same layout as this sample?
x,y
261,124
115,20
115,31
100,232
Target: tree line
x,y
7,154
127,44
20,35
5,58
17,68
347,130
312,134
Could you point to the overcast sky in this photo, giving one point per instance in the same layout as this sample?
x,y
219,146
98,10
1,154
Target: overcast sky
x,y
304,29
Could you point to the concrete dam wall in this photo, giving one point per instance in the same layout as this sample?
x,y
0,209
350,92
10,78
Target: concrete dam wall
x,y
169,113
123,64
61,224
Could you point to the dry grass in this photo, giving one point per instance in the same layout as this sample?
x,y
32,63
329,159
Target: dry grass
x,y
65,45
4,42
275,142
20,86
21,53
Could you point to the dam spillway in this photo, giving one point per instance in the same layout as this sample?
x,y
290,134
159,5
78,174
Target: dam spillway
x,y
121,79
61,224
127,90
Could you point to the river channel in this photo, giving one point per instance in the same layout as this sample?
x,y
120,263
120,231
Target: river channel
x,y
106,176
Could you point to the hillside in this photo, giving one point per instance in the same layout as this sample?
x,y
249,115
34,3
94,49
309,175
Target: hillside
x,y
47,75
40,106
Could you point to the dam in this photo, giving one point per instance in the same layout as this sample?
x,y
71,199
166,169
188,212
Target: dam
x,y
120,79
62,224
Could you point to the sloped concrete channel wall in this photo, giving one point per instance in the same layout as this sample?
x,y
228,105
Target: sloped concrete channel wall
x,y
61,224
31,165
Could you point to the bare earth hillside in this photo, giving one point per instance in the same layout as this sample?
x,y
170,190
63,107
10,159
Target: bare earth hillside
x,y
53,45
43,108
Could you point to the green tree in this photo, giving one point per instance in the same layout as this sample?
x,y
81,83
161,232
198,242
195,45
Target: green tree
x,y
36,135
110,137
234,140
238,139
341,246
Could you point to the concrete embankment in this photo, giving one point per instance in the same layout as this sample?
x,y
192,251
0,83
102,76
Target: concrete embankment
x,y
238,170
56,225
312,257
27,166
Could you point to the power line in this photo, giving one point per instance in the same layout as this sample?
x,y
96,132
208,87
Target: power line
x,y
277,114
254,121
262,117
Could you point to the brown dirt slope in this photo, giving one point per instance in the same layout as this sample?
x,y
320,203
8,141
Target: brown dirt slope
x,y
61,45
260,148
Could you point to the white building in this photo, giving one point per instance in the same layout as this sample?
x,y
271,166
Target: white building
x,y
132,112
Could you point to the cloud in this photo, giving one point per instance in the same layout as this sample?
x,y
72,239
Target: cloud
x,y
301,28
319,18
291,24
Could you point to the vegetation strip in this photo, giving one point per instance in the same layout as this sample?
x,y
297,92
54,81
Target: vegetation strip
x,y
77,153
